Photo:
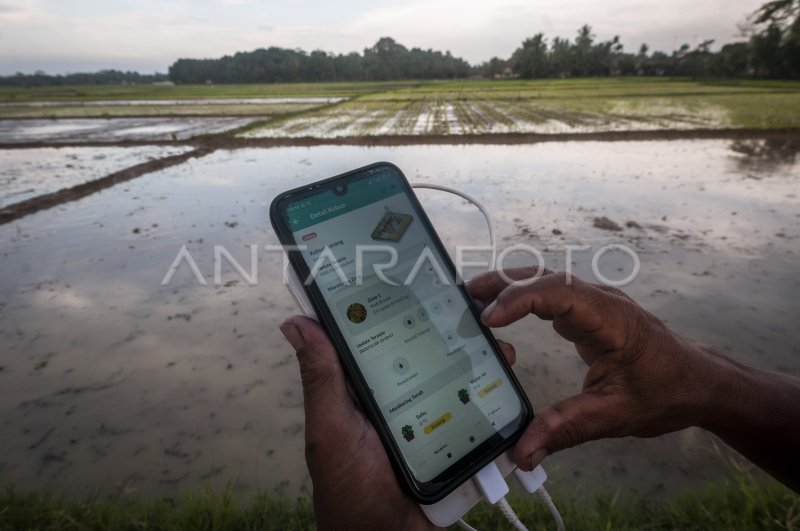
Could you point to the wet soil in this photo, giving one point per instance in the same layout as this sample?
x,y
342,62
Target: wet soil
x,y
26,207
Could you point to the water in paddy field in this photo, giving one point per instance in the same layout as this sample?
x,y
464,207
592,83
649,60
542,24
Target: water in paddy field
x,y
27,173
111,380
114,129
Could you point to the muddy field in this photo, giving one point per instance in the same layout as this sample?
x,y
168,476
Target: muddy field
x,y
111,380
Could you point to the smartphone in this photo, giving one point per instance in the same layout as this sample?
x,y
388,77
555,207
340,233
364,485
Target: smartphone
x,y
425,371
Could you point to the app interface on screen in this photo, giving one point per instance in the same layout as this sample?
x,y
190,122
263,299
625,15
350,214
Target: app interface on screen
x,y
431,371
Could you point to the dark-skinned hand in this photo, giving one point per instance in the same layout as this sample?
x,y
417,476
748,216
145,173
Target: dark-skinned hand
x,y
643,379
354,486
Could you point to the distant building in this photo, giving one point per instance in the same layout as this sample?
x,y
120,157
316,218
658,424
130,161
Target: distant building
x,y
505,74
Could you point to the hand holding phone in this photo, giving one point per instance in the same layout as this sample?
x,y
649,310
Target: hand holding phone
x,y
427,375
353,479
342,447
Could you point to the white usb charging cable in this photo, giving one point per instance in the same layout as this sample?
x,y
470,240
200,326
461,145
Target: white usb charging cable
x,y
486,215
494,488
545,497
490,480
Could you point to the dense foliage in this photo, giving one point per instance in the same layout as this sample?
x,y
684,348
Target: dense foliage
x,y
775,43
387,60
585,56
773,51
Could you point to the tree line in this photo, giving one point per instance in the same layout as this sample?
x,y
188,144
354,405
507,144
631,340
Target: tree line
x,y
102,77
770,49
386,60
585,56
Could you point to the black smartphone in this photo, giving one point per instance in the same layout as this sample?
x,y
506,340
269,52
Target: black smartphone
x,y
425,371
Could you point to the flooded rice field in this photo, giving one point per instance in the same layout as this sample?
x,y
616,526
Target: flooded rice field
x,y
139,108
113,130
26,173
112,380
439,115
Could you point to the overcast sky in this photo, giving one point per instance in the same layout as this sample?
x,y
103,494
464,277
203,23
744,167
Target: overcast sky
x,y
60,36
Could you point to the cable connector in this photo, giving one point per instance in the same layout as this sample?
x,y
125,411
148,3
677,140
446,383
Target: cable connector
x,y
491,483
531,480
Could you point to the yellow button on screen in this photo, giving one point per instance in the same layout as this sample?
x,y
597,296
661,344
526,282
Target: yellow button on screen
x,y
438,422
486,389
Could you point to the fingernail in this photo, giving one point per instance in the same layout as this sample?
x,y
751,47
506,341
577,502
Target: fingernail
x,y
537,457
488,311
292,335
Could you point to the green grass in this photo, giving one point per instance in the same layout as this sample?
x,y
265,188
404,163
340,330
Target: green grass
x,y
598,88
195,511
403,90
744,502
146,92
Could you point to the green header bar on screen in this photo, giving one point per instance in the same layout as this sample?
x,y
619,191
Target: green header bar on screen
x,y
326,205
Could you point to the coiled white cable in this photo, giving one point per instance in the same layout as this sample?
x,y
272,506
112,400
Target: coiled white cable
x,y
486,215
514,520
545,497
510,515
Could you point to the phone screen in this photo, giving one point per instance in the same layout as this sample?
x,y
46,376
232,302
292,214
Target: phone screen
x,y
432,372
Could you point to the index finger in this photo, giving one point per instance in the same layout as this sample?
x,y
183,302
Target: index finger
x,y
608,318
486,286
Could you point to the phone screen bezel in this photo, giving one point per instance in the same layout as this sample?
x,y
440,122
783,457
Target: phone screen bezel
x,y
461,470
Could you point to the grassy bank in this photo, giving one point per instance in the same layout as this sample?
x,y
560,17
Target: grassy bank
x,y
740,503
403,90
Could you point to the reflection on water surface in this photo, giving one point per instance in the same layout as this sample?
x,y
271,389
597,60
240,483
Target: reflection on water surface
x,y
110,379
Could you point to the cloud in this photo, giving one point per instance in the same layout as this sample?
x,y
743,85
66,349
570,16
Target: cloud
x,y
24,13
478,30
37,32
